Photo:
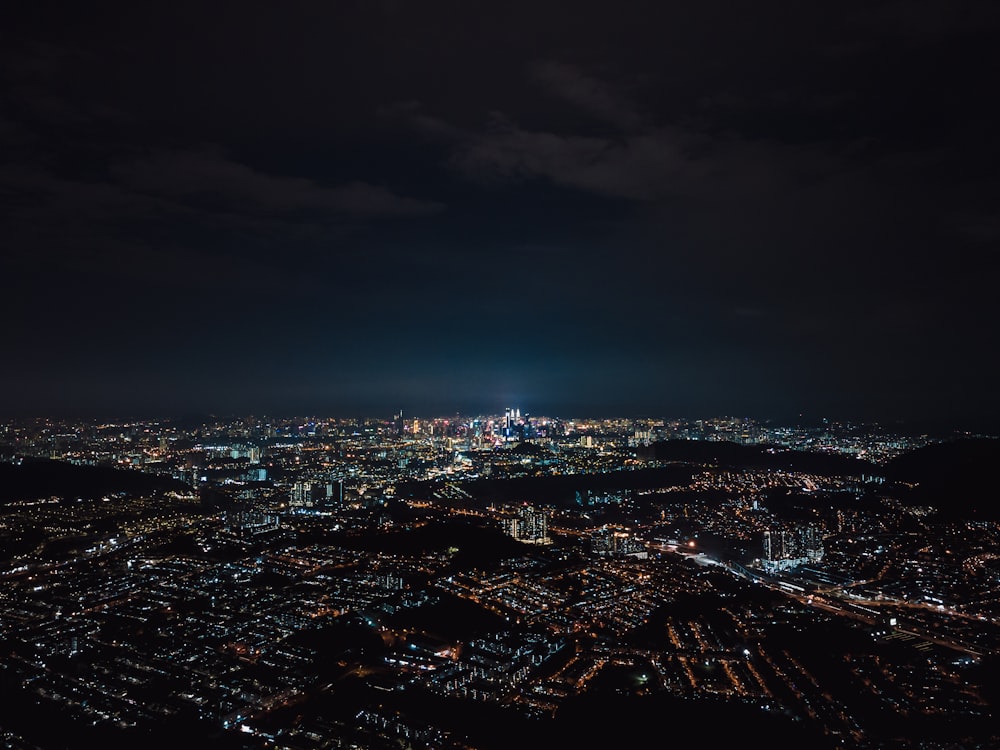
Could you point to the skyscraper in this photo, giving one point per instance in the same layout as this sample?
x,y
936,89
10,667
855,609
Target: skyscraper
x,y
785,548
530,525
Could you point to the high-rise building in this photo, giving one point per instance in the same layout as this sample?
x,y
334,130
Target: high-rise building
x,y
616,541
530,525
333,494
302,495
785,548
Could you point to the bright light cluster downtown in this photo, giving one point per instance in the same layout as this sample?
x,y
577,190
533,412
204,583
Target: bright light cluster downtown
x,y
514,561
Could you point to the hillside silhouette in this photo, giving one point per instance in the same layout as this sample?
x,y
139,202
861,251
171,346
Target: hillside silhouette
x,y
957,477
38,478
729,455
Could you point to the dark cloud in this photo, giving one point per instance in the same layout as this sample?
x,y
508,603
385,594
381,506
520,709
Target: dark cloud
x,y
648,165
207,175
589,93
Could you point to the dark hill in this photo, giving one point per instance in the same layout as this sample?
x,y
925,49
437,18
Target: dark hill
x,y
726,454
470,545
38,478
529,449
958,477
554,489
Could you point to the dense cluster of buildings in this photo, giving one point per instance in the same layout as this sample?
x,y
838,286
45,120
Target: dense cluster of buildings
x,y
374,551
785,548
529,524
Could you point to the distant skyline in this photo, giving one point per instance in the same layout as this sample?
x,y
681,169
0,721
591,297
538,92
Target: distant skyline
x,y
642,209
936,429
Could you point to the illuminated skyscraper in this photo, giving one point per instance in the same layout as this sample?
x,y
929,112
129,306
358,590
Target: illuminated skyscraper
x,y
508,423
787,548
301,495
530,525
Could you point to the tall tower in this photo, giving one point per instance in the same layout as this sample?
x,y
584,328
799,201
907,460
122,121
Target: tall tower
x,y
533,525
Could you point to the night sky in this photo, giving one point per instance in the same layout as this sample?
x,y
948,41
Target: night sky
x,y
700,208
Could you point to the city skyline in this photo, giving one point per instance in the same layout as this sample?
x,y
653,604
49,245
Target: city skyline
x,y
683,209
